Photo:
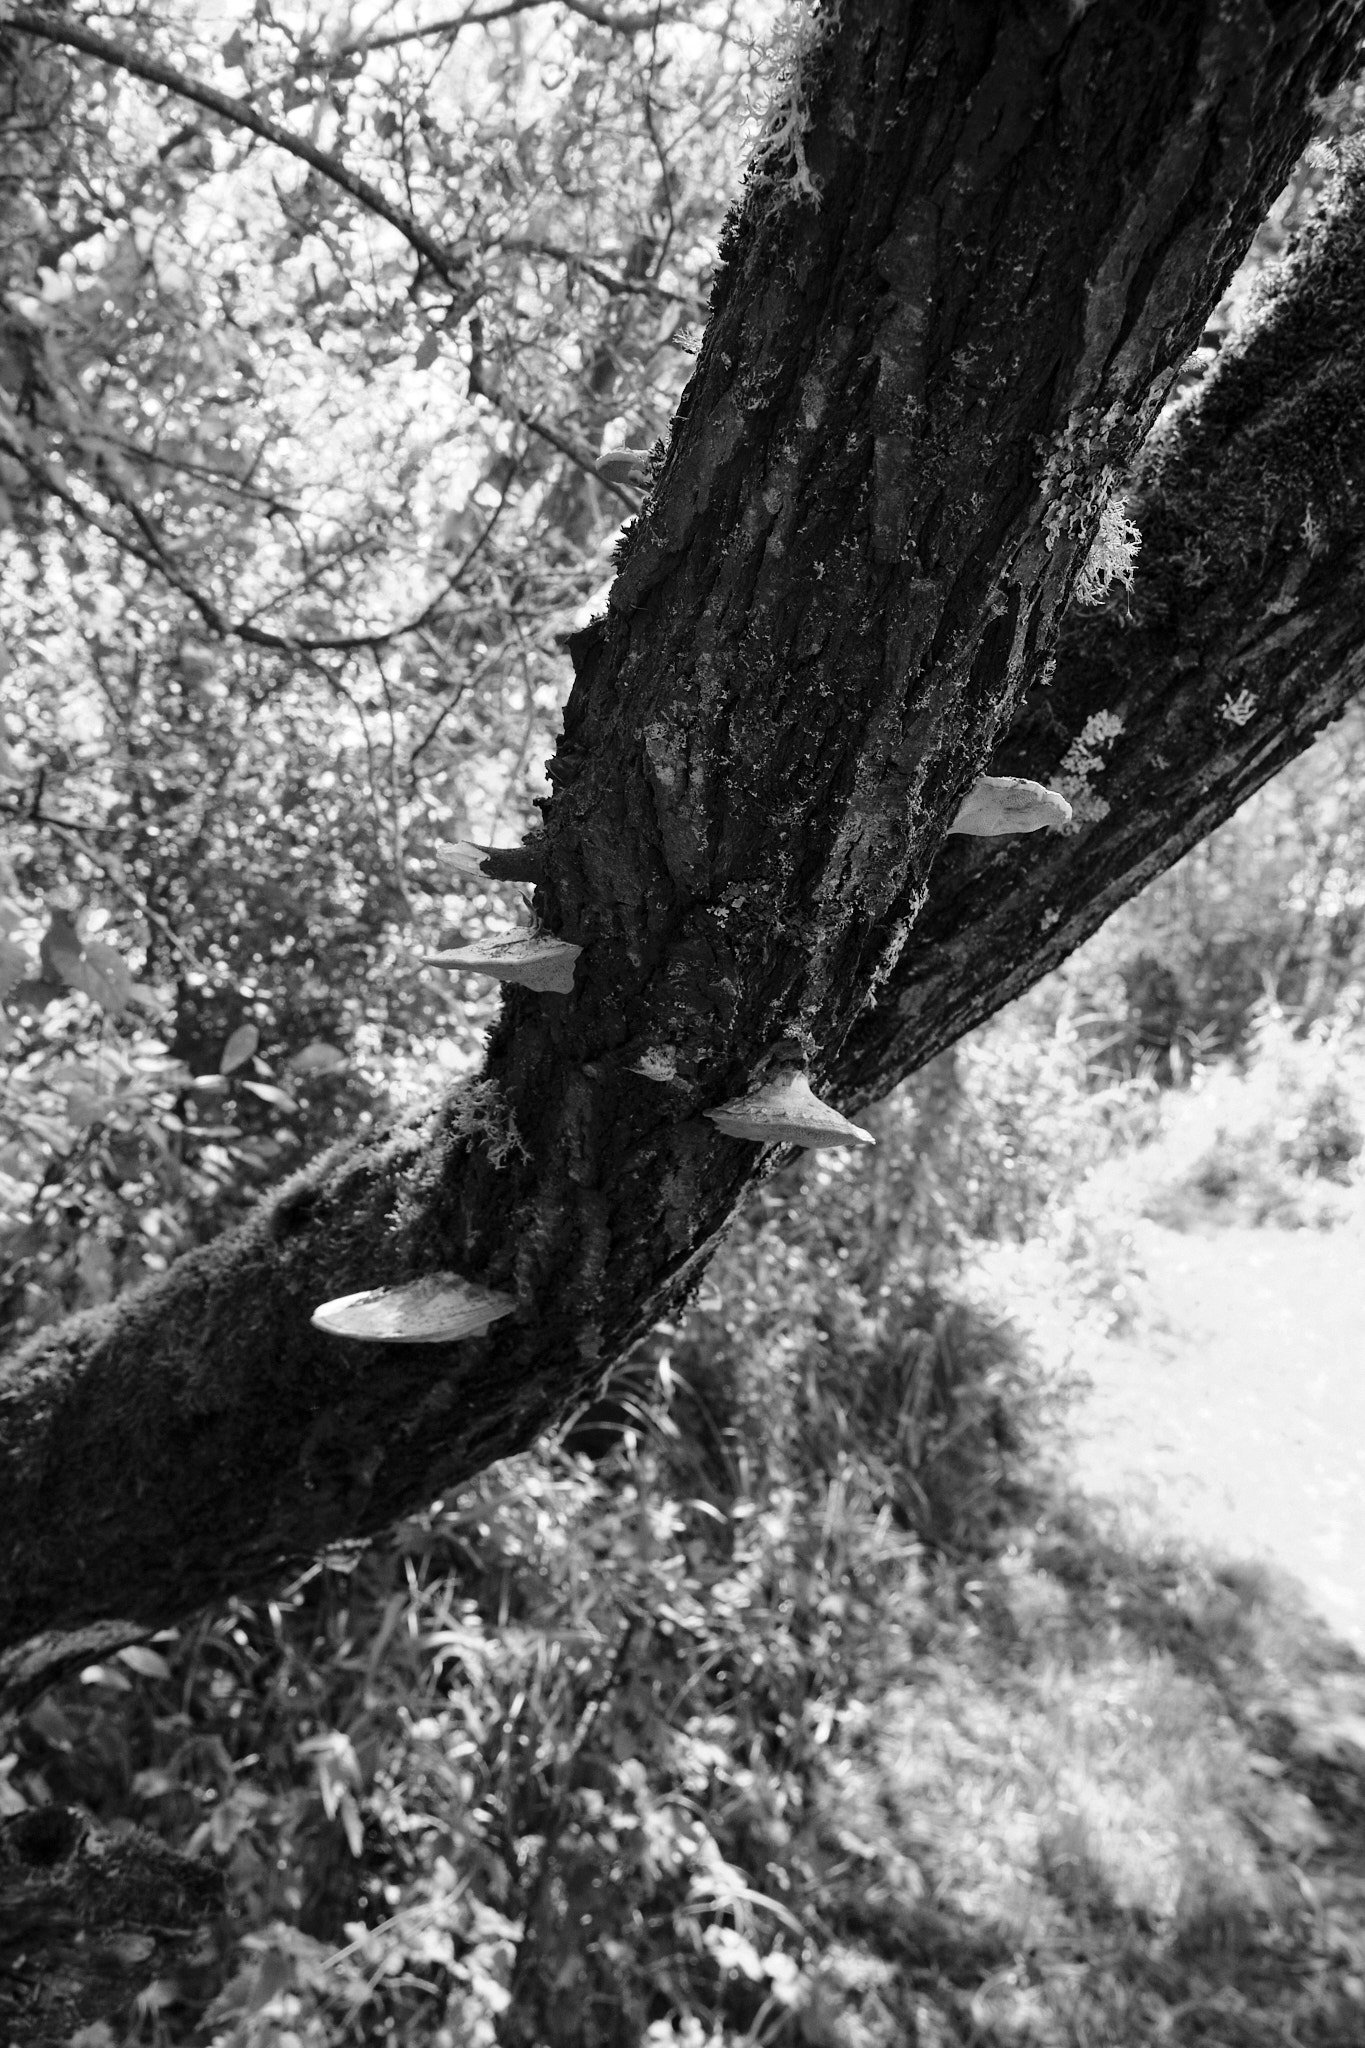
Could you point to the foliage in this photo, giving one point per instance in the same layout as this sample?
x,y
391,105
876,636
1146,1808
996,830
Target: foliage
x,y
290,543
807,1709
1271,904
588,1756
568,1759
1277,1143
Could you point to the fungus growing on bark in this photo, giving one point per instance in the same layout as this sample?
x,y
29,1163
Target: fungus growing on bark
x,y
440,1308
787,1111
1009,803
467,858
497,863
531,959
624,466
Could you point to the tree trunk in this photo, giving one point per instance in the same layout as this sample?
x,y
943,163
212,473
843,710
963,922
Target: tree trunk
x,y
1243,636
909,409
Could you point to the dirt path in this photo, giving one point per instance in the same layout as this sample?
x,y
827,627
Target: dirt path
x,y
1238,1413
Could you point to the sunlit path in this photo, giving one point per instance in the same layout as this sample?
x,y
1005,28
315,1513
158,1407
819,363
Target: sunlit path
x,y
1238,1413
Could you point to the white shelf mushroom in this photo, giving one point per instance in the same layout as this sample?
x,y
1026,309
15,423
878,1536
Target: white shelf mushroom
x,y
467,858
496,863
440,1308
531,959
624,465
1009,803
787,1111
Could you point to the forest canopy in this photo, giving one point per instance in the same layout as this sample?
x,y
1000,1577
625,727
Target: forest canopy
x,y
285,599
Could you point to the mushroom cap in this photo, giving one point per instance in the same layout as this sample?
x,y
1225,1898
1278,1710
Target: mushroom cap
x,y
1009,803
623,465
787,1111
531,959
440,1308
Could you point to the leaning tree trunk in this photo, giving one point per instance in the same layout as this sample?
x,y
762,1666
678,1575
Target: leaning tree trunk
x,y
909,409
1243,635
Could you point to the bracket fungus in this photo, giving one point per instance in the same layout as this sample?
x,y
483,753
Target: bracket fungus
x,y
787,1111
440,1308
624,465
466,857
1009,803
531,959
496,863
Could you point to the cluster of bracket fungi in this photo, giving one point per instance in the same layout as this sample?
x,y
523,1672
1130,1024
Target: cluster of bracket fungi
x,y
443,1308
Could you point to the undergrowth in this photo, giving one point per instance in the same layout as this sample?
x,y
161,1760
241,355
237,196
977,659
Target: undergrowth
x,y
789,1698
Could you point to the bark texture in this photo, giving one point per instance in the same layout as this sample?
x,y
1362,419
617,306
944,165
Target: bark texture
x,y
1243,636
909,408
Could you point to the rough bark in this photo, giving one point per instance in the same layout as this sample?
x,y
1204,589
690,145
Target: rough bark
x,y
908,409
1243,636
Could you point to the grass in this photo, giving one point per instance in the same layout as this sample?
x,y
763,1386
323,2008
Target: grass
x,y
577,1761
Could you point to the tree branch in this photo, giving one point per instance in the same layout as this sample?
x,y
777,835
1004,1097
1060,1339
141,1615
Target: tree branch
x,y
75,36
610,280
1250,586
451,24
481,386
153,553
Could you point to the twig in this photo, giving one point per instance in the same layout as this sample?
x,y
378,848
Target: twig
x,y
126,888
75,36
479,387
451,24
573,259
154,555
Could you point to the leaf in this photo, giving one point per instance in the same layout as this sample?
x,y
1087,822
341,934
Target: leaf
x,y
95,970
427,353
59,950
157,1996
147,1663
239,1048
103,975
233,52
84,1107
105,1674
318,1058
269,1094
35,995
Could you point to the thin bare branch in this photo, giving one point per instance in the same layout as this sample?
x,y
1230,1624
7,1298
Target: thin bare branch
x,y
480,387
75,835
151,551
75,36
610,281
471,17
